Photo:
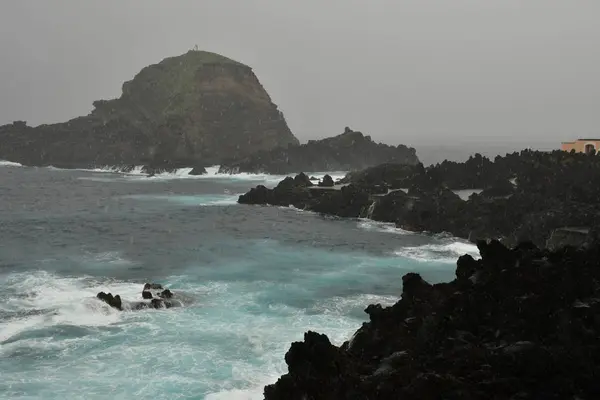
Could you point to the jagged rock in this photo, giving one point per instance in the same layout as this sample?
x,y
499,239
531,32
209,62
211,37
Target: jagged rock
x,y
466,266
257,195
327,181
198,171
113,301
161,298
500,188
554,190
302,180
346,152
151,170
389,175
152,286
349,201
197,107
527,329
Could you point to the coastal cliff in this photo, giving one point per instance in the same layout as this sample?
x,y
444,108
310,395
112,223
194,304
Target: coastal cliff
x,y
349,151
191,110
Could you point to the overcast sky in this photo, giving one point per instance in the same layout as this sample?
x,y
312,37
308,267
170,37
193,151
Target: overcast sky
x,y
414,72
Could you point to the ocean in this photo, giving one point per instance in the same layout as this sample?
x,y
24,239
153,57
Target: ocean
x,y
257,279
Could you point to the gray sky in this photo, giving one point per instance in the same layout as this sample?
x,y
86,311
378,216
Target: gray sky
x,y
445,71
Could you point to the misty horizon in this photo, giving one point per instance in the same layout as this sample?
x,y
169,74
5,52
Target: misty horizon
x,y
427,74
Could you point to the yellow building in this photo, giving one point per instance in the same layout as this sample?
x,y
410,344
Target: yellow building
x,y
582,145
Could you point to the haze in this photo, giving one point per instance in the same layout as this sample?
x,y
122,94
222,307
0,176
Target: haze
x,y
458,72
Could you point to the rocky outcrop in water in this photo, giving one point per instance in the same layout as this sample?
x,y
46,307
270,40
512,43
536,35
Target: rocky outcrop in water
x,y
113,301
192,110
346,152
519,323
551,191
327,181
159,298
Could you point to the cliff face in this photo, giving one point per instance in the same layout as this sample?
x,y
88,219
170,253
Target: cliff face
x,y
195,109
349,151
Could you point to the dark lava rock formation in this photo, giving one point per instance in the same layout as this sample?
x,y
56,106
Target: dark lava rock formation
x,y
551,191
159,298
192,110
327,181
346,152
519,323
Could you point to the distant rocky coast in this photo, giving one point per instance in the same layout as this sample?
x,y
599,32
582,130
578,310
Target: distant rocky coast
x,y
522,196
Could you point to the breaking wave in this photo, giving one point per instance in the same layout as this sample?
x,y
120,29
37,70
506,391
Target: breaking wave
x,y
446,253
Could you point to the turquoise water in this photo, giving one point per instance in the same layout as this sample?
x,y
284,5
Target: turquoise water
x,y
257,279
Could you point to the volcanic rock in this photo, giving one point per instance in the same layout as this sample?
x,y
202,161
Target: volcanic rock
x,y
525,328
346,152
197,108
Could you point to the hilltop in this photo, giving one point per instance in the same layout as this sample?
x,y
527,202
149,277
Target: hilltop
x,y
195,109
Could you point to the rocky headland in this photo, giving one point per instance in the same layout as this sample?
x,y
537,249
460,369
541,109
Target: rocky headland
x,y
192,110
522,196
349,151
519,323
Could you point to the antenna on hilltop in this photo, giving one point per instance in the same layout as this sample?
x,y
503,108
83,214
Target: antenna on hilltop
x,y
196,48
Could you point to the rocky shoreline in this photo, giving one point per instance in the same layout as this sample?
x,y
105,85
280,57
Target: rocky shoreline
x,y
519,323
523,196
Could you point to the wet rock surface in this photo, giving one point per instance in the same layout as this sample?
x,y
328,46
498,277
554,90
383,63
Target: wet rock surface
x,y
159,298
526,196
519,323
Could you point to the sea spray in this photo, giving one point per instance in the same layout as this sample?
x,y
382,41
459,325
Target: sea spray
x,y
258,278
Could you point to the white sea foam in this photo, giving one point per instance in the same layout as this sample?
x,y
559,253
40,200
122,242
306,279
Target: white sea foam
x,y
192,200
212,173
9,164
370,225
342,306
466,193
228,344
68,301
447,253
112,258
